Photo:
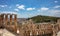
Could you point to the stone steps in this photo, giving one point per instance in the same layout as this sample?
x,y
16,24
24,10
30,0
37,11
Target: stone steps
x,y
4,32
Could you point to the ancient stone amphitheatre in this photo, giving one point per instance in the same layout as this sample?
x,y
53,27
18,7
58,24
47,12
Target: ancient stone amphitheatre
x,y
10,27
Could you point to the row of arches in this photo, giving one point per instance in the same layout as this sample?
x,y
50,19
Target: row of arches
x,y
36,30
8,18
9,21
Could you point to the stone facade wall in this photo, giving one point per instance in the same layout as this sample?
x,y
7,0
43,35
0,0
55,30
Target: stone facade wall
x,y
7,21
34,29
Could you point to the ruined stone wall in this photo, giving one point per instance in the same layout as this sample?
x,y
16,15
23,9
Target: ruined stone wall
x,y
7,21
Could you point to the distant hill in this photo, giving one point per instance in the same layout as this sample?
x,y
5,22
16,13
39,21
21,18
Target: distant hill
x,y
20,20
40,18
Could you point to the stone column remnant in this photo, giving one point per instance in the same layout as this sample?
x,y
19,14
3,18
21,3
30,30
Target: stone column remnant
x,y
15,22
0,20
10,19
6,19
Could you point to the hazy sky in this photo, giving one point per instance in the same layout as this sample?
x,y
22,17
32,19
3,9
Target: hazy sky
x,y
30,8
